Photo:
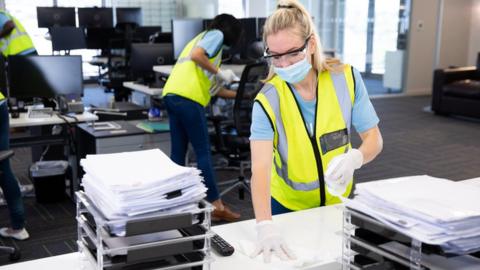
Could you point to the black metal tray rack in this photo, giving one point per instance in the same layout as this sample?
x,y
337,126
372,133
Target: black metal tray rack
x,y
368,244
153,241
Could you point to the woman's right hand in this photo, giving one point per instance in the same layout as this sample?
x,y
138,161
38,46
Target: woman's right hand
x,y
227,76
270,240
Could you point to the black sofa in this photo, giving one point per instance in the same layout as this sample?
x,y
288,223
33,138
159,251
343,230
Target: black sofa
x,y
457,91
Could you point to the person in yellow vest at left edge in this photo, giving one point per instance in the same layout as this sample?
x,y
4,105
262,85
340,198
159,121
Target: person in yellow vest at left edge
x,y
9,184
14,39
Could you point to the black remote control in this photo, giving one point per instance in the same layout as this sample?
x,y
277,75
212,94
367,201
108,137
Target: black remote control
x,y
221,246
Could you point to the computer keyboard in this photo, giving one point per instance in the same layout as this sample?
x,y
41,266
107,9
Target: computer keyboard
x,y
40,113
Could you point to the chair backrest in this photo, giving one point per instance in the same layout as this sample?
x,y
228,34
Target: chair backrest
x,y
5,154
250,84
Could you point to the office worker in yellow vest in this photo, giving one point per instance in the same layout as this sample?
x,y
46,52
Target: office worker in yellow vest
x,y
9,184
197,76
14,39
300,133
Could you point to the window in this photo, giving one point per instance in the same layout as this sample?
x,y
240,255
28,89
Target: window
x,y
355,33
234,7
154,12
385,32
76,3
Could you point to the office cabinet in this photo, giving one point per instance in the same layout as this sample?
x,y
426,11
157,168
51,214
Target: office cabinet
x,y
126,137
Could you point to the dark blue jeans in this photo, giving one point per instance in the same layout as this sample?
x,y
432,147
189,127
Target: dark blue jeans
x,y
8,182
188,123
278,208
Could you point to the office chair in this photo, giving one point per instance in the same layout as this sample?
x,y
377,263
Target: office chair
x,y
14,253
233,138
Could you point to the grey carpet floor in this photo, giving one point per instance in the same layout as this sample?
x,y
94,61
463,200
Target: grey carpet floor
x,y
415,142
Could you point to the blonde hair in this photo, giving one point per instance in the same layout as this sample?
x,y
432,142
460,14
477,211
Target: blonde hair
x,y
290,14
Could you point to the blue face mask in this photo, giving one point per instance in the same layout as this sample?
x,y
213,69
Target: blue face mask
x,y
294,73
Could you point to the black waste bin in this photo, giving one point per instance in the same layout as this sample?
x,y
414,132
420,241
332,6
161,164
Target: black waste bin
x,y
48,178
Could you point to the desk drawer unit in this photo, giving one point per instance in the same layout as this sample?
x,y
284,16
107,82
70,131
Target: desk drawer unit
x,y
133,143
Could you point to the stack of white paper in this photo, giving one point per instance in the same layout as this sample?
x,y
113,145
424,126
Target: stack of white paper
x,y
133,183
433,210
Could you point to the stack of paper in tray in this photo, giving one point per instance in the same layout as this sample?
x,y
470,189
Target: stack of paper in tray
x,y
133,183
433,210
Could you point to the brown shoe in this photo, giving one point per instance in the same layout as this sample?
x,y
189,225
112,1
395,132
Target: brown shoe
x,y
226,214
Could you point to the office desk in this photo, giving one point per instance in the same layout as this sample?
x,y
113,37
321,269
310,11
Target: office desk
x,y
143,88
142,94
36,136
39,136
125,139
167,69
316,229
25,121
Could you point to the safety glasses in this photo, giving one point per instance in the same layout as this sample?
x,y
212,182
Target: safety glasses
x,y
290,57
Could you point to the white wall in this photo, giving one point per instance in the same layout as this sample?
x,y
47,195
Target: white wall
x,y
421,47
455,34
256,8
474,44
197,9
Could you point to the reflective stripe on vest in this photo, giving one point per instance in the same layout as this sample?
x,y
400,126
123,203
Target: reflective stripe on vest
x,y
282,147
17,41
343,87
189,80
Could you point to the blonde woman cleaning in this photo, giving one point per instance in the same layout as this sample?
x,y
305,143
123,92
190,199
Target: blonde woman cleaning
x,y
300,133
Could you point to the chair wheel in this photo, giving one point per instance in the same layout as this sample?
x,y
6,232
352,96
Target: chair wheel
x,y
15,256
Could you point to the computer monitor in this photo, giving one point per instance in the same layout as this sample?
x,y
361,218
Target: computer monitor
x,y
249,26
45,76
184,30
146,55
95,17
144,33
164,37
260,24
104,38
129,15
206,23
55,16
67,38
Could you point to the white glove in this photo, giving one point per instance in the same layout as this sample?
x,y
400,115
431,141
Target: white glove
x,y
269,240
226,76
340,171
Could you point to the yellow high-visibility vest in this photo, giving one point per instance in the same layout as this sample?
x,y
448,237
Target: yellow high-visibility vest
x,y
189,80
2,97
300,159
17,41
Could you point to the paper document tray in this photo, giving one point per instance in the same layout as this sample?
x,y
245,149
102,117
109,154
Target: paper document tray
x,y
158,240
369,244
192,260
148,223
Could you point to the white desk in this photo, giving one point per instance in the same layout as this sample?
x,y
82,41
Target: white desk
x,y
25,121
316,229
472,181
143,88
167,69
